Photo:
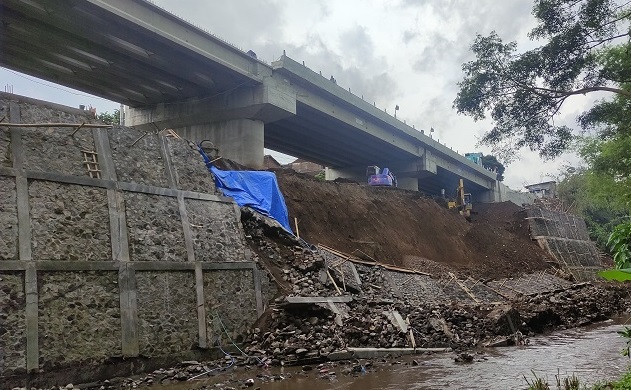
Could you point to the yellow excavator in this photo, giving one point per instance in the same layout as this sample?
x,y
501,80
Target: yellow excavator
x,y
462,201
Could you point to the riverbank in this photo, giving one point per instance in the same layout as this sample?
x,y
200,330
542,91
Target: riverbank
x,y
591,353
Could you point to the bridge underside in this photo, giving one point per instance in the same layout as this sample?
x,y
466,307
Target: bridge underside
x,y
315,136
88,48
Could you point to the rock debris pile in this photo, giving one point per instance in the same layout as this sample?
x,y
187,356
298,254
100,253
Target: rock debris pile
x,y
385,308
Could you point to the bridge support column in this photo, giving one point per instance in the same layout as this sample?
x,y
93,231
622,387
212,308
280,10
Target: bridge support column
x,y
239,140
408,183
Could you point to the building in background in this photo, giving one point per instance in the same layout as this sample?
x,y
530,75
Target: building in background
x,y
547,189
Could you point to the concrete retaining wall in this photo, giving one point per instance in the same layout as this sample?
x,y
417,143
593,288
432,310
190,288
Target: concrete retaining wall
x,y
142,260
565,236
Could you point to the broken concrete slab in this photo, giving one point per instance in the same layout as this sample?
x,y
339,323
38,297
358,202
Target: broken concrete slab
x,y
340,355
396,320
370,353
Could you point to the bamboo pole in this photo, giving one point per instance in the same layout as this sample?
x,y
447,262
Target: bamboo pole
x,y
90,125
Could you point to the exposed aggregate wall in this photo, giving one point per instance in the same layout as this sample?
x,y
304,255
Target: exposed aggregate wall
x,y
67,222
145,165
231,303
79,317
12,324
102,268
167,312
155,228
9,218
190,174
5,141
208,223
55,149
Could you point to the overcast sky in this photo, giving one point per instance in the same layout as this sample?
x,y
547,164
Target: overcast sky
x,y
398,52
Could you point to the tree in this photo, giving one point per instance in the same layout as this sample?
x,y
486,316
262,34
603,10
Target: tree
x,y
607,152
596,199
491,162
109,119
524,92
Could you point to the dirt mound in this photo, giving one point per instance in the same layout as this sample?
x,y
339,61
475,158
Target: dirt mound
x,y
407,229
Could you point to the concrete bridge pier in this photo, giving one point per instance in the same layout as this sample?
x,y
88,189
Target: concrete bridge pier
x,y
233,121
408,183
238,140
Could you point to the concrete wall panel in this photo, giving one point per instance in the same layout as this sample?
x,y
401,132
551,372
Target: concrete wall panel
x,y
217,234
167,312
54,149
69,222
12,323
9,218
224,292
190,171
141,163
86,307
155,228
79,317
5,141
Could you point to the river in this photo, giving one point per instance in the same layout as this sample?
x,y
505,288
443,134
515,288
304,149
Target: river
x,y
592,353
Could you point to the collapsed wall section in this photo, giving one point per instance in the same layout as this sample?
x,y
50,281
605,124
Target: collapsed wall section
x,y
566,238
113,243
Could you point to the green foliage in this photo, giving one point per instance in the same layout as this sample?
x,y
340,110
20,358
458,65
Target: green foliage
x,y
619,244
490,162
623,383
618,275
320,176
626,333
596,198
109,119
523,92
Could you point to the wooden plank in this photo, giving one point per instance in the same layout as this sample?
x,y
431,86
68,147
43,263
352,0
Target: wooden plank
x,y
333,281
498,292
465,289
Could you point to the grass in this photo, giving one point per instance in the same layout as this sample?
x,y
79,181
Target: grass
x,y
569,383
573,383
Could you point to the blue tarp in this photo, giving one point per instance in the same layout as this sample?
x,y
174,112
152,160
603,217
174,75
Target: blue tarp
x,y
256,189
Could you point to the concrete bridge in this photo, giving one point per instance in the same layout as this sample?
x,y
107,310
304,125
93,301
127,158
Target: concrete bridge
x,y
172,74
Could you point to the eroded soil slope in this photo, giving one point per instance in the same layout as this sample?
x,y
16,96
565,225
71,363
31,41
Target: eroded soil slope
x,y
407,229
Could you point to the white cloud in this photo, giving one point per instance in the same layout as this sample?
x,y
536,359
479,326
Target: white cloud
x,y
406,52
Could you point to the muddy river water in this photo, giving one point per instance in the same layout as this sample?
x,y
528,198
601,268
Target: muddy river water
x,y
592,353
